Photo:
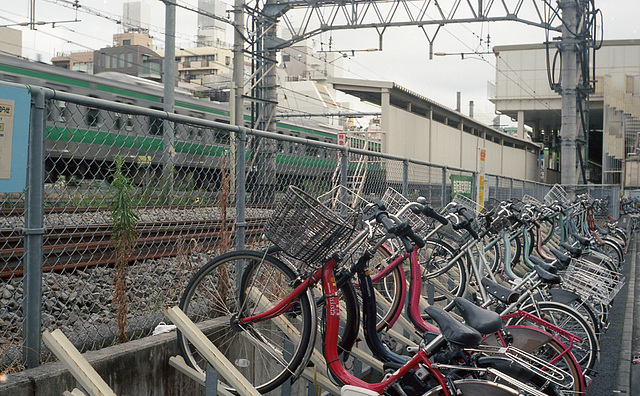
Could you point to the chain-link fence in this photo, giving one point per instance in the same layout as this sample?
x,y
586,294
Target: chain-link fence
x,y
198,187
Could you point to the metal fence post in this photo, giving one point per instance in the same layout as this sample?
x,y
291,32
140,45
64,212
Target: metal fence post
x,y
405,177
511,188
475,188
444,186
344,167
33,232
241,192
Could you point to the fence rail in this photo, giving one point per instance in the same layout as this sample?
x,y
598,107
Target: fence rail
x,y
199,186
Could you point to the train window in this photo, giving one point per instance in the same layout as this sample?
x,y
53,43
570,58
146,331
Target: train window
x,y
155,126
117,122
129,124
63,113
49,110
92,117
311,151
222,137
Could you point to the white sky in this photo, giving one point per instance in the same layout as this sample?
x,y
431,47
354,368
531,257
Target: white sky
x,y
403,60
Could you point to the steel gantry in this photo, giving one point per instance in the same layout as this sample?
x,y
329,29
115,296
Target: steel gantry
x,y
302,19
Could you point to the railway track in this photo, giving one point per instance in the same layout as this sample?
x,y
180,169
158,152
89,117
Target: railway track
x,y
67,248
6,212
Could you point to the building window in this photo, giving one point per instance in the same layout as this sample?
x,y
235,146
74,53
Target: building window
x,y
129,59
192,58
286,57
107,62
121,60
227,60
126,42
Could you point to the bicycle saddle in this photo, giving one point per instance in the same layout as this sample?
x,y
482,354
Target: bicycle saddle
x,y
483,320
452,330
545,266
583,241
500,292
562,258
575,252
547,277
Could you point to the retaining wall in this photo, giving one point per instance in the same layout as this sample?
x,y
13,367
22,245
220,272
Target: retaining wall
x,y
139,367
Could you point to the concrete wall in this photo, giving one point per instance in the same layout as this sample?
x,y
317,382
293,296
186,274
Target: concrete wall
x,y
138,367
417,137
410,136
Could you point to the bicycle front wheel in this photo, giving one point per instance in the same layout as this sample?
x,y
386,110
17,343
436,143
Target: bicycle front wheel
x,y
236,285
443,278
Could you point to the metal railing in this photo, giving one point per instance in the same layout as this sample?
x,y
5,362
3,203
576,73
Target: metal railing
x,y
200,188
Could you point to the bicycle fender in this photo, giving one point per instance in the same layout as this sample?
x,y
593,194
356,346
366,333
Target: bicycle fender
x,y
525,338
563,296
506,366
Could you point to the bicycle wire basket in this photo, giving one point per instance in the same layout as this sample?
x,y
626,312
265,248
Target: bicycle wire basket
x,y
306,229
557,193
528,199
394,201
592,281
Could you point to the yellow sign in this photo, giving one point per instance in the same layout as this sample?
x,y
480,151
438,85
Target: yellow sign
x,y
6,109
143,160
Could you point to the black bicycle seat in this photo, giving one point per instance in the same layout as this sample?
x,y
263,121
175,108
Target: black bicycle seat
x,y
545,266
547,277
562,258
574,251
452,330
500,292
583,241
483,320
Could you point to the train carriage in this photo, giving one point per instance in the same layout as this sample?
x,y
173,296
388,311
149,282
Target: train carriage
x,y
82,142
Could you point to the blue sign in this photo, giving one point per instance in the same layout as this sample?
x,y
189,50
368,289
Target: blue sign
x,y
15,110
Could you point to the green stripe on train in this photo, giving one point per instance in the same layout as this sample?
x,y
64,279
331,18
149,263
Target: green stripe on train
x,y
103,138
155,144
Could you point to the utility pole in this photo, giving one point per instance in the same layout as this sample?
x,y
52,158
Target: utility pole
x,y
169,90
569,78
238,140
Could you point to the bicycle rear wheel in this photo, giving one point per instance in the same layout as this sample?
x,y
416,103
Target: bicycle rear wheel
x,y
263,352
543,348
475,387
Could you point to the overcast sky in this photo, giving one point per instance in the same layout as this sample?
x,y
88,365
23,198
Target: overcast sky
x,y
403,59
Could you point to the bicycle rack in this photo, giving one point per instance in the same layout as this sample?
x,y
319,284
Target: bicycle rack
x,y
77,365
218,365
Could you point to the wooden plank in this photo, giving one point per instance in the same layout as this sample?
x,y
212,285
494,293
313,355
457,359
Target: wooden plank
x,y
400,338
315,377
402,321
74,392
222,365
367,359
79,367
